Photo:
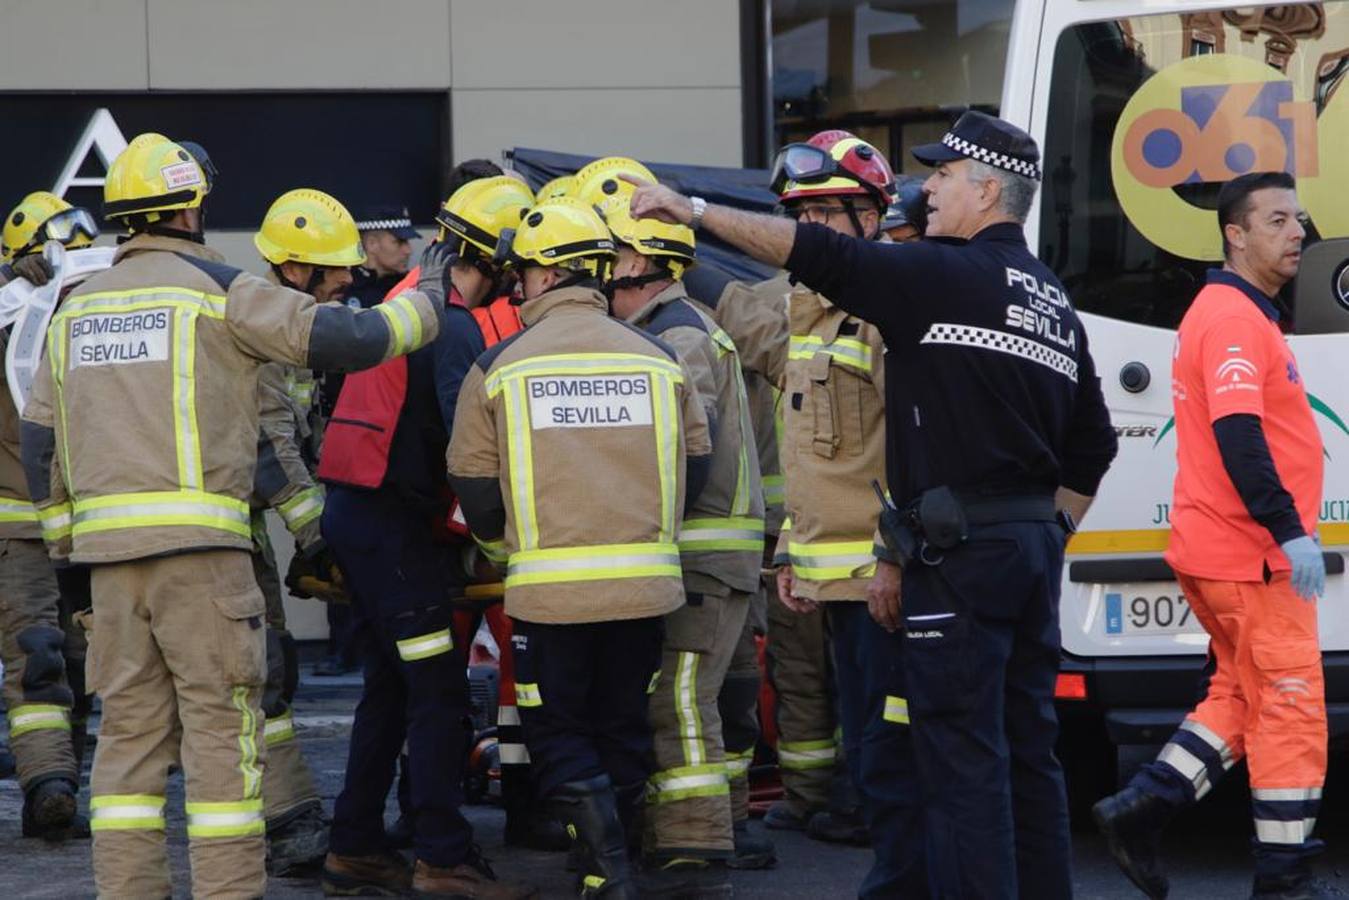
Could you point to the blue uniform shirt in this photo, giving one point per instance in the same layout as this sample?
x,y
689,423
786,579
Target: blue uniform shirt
x,y
989,385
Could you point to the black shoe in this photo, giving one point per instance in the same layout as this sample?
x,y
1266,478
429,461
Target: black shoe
x,y
49,811
399,835
534,829
590,813
299,841
838,828
752,851
1132,822
780,817
1295,884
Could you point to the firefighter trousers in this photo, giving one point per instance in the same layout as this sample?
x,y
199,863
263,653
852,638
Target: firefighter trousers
x,y
76,607
31,641
287,785
801,672
415,686
1265,702
178,655
582,694
688,796
738,705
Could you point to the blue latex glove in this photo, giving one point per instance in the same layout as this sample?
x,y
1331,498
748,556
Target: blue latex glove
x,y
1309,567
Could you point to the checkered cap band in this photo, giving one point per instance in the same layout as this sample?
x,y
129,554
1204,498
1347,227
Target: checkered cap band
x,y
383,224
992,157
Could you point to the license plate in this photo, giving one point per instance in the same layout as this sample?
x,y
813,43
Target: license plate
x,y
1148,609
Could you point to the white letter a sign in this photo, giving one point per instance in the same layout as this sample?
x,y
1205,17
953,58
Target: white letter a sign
x,y
101,135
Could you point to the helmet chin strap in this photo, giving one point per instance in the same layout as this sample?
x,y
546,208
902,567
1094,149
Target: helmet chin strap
x,y
856,220
630,282
315,279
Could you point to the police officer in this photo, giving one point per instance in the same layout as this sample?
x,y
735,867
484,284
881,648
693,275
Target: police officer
x,y
720,546
569,456
997,437
139,448
386,238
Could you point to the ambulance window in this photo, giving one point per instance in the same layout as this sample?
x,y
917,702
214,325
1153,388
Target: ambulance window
x,y
1148,116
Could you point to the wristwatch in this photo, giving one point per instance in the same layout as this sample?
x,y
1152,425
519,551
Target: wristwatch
x,y
699,207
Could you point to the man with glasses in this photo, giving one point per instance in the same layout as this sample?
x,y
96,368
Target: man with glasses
x,y
828,365
33,637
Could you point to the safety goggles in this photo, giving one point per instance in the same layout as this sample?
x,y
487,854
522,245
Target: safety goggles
x,y
805,164
66,226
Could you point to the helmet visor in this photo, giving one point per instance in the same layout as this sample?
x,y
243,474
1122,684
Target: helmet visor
x,y
65,226
803,163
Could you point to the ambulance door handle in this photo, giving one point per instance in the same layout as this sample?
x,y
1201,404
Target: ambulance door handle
x,y
1135,377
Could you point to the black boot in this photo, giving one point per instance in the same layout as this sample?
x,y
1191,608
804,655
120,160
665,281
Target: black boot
x,y
49,811
527,824
297,840
589,811
1132,822
631,801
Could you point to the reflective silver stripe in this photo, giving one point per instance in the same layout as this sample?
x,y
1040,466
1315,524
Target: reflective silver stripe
x,y
303,508
665,783
279,729
1190,767
17,511
218,819
791,756
1270,831
508,715
513,754
610,562
424,646
1286,793
1206,734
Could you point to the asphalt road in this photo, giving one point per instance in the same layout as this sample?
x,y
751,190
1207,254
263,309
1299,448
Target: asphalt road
x,y
1207,849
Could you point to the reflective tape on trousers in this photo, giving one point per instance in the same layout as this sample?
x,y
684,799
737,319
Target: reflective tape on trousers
x,y
126,812
229,819
38,717
425,646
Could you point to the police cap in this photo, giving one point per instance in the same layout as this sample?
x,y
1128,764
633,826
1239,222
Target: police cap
x,y
987,139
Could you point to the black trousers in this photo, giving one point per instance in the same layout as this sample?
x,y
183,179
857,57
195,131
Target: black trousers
x,y
981,654
416,686
582,695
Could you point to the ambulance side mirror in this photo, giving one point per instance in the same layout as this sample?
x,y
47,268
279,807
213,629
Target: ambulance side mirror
x,y
1321,289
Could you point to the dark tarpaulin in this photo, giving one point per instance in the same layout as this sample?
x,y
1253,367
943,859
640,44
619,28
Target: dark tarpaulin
x,y
741,188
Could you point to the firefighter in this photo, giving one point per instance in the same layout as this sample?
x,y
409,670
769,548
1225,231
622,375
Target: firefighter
x,y
720,543
385,520
44,695
828,365
311,242
139,446
577,447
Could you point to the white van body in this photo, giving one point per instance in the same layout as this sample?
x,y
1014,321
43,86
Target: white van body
x,y
1142,108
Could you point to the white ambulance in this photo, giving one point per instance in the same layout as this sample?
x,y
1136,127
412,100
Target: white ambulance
x,y
1142,110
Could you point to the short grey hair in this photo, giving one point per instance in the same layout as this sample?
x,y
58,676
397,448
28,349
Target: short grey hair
x,y
1017,191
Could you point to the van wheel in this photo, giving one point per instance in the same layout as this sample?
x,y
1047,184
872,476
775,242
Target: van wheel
x,y
1090,765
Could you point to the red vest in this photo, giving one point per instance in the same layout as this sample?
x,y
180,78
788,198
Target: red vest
x,y
357,439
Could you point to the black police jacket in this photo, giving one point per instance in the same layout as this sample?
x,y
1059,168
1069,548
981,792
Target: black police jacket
x,y
990,388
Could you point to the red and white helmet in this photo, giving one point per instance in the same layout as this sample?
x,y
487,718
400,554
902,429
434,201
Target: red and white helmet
x,y
833,163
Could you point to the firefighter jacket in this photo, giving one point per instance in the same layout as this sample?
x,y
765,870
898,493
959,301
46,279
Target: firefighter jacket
x,y
722,535
830,368
140,438
568,456
284,477
18,517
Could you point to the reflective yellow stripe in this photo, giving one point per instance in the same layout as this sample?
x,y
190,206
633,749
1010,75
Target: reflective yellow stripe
x,y
248,743
38,717
729,533
737,764
162,508
846,351
832,560
896,710
582,364
55,521
279,729
774,490
569,564
520,452
724,342
494,550
425,646
667,452
300,390
592,882
405,326
234,819
654,682
527,695
17,511
685,697
187,438
688,781
806,754
211,305
303,508
126,812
